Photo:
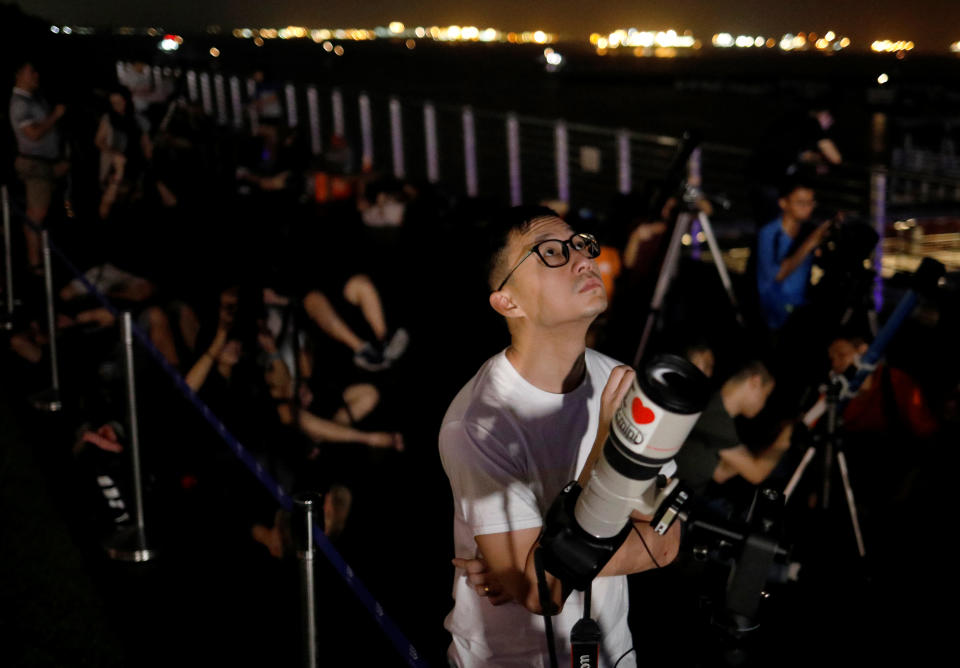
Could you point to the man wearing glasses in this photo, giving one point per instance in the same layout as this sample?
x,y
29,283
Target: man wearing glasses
x,y
523,427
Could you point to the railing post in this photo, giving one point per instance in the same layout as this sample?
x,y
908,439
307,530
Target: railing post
x,y
290,93
470,152
308,504
129,544
396,138
878,215
624,178
7,321
206,95
49,400
221,98
366,132
236,103
336,105
513,159
430,134
252,105
562,160
192,86
313,111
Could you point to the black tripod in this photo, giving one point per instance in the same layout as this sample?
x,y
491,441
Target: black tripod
x,y
831,444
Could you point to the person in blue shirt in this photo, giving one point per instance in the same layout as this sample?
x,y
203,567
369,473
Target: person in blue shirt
x,y
784,260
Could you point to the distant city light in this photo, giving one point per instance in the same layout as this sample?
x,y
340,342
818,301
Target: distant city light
x,y
887,46
552,57
338,50
396,27
67,30
328,46
54,29
883,78
215,52
830,36
955,47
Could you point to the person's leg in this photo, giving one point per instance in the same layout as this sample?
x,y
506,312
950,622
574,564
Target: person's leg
x,y
161,334
360,400
319,308
360,291
37,178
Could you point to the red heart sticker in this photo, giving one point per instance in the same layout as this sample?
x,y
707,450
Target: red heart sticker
x,y
641,414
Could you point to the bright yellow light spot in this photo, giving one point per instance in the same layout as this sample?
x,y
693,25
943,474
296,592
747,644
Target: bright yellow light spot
x,y
396,27
453,32
602,43
594,38
758,42
639,51
686,240
470,32
909,46
845,42
328,46
338,50
822,43
420,32
215,52
830,36
883,78
540,37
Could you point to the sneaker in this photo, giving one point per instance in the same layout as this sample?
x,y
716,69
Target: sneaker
x,y
397,345
370,358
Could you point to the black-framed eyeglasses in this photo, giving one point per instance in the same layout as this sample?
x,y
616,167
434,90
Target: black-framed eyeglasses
x,y
556,253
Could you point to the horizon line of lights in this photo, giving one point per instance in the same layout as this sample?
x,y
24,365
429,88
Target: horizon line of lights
x,y
887,46
397,30
800,41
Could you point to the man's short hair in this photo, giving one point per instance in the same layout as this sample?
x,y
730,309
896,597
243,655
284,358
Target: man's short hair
x,y
790,185
751,369
515,220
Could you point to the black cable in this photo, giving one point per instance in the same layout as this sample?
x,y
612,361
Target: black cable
x,y
617,663
647,547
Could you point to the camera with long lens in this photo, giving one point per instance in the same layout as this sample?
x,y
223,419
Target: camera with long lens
x,y
585,526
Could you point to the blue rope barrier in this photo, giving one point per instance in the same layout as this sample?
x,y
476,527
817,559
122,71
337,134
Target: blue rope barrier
x,y
386,623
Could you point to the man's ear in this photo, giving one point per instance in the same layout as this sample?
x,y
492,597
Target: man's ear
x,y
503,304
783,203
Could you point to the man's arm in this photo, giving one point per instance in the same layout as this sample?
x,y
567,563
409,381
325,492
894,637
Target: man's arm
x,y
755,468
35,130
793,262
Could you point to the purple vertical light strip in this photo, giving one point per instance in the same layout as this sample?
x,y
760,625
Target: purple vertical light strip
x,y
220,93
206,95
366,132
624,178
291,95
562,160
694,180
313,111
192,86
396,138
470,152
430,134
336,106
694,243
513,159
235,103
878,212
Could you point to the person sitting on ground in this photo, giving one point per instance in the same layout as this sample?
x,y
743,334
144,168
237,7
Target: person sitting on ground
x,y
714,451
359,291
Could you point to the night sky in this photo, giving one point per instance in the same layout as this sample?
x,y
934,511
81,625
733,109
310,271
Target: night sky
x,y
932,24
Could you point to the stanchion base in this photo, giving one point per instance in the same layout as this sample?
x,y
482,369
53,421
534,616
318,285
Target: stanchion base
x,y
129,544
47,401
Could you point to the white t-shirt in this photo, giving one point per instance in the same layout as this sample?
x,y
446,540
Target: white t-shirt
x,y
508,449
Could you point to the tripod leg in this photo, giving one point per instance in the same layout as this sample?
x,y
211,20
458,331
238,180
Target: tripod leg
x,y
854,520
667,270
795,479
721,266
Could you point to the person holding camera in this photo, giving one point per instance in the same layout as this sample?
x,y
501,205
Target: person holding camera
x,y
527,423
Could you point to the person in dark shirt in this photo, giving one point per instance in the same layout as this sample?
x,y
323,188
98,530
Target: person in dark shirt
x,y
714,451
